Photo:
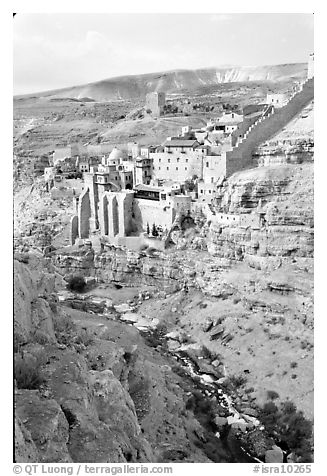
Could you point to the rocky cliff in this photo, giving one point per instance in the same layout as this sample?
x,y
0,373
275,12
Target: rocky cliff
x,y
75,414
91,390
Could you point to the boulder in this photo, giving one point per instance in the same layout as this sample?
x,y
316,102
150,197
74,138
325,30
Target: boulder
x,y
207,325
220,421
172,345
275,455
250,411
130,317
207,378
232,419
218,331
207,368
123,308
239,426
25,448
154,323
174,335
47,425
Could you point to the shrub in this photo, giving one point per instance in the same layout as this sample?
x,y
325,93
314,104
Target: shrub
x,y
19,341
85,338
63,323
289,427
206,353
233,382
154,230
40,337
293,365
27,373
272,395
76,283
64,328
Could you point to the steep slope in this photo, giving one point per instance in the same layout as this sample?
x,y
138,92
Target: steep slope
x,y
129,87
89,389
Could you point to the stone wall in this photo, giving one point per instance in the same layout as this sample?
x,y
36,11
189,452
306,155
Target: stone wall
x,y
84,214
115,213
89,179
226,219
73,229
214,167
240,157
252,220
152,212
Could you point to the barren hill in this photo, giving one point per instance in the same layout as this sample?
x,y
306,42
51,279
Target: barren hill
x,y
177,81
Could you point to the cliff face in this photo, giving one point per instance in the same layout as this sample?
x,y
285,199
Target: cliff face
x,y
282,195
75,414
89,389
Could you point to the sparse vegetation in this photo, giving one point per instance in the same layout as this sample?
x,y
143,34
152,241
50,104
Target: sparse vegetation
x,y
272,395
234,382
84,337
64,328
27,372
19,341
289,428
76,283
40,337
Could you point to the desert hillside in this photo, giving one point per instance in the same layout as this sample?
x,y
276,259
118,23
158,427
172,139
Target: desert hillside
x,y
136,86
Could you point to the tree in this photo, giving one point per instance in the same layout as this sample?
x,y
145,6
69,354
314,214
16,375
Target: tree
x,y
189,185
154,230
288,426
76,283
148,228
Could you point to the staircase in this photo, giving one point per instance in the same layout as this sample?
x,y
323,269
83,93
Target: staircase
x,y
269,124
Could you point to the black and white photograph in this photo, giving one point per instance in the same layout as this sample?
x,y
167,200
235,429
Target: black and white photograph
x,y
163,241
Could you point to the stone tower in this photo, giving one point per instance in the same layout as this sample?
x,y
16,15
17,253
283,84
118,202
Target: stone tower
x,y
155,103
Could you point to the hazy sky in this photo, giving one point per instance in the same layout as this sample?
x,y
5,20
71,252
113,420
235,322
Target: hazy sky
x,y
57,50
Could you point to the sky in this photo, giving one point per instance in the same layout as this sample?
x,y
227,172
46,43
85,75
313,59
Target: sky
x,y
53,50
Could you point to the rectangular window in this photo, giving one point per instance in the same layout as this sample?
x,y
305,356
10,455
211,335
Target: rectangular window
x,y
185,168
176,168
159,168
159,160
207,164
168,161
186,160
167,168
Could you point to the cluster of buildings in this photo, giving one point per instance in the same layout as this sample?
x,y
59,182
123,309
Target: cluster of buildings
x,y
131,190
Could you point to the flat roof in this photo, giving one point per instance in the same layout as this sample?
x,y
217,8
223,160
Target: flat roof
x,y
147,188
180,143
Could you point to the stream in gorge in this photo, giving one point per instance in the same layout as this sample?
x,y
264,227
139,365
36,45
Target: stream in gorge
x,y
201,382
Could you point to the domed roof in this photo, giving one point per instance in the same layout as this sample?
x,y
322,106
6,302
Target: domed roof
x,y
115,154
